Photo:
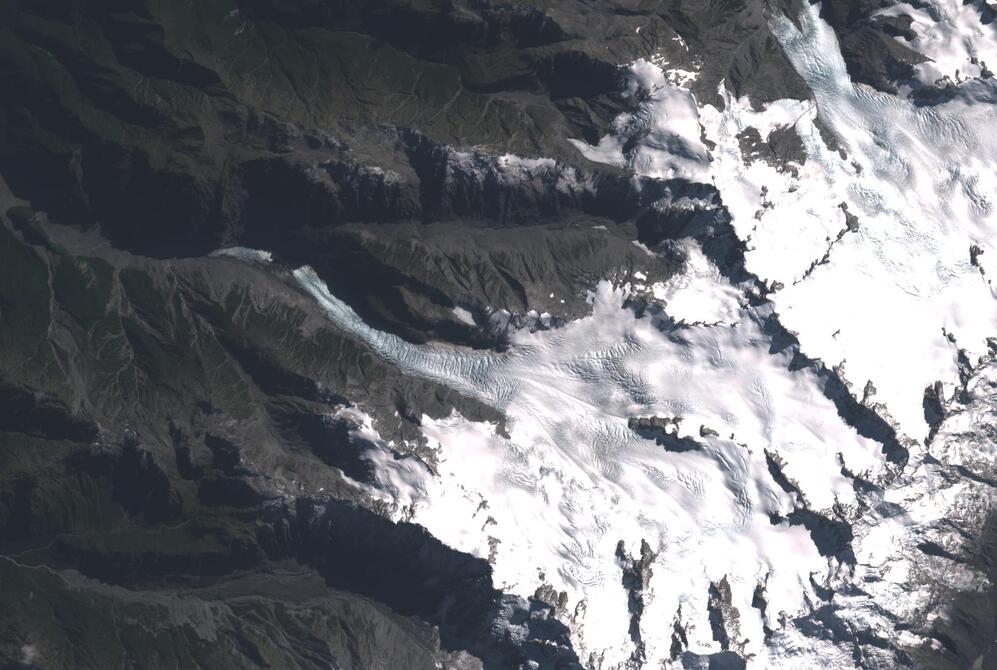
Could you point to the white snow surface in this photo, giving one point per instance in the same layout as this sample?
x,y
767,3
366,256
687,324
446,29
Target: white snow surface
x,y
952,35
921,182
464,316
549,501
698,294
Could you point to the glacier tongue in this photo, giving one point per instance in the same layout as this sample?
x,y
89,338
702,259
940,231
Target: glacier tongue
x,y
550,500
678,459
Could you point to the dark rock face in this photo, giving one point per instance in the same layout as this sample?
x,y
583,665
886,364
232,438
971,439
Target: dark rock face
x,y
663,431
723,616
177,141
872,54
98,137
178,484
74,621
187,507
636,574
140,449
783,150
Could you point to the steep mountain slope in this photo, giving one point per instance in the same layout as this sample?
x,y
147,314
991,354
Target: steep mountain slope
x,y
470,334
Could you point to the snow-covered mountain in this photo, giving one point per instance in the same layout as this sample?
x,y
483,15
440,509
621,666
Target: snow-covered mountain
x,y
498,335
669,476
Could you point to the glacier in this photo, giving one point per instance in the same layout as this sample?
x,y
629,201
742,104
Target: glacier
x,y
892,298
750,507
550,496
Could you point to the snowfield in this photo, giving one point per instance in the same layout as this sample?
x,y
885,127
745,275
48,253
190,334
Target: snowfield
x,y
900,292
680,443
550,501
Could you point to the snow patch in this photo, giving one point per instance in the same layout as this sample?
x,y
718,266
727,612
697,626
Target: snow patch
x,y
664,131
464,316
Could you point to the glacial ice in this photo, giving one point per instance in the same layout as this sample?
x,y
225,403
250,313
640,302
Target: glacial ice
x,y
898,296
888,301
551,500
